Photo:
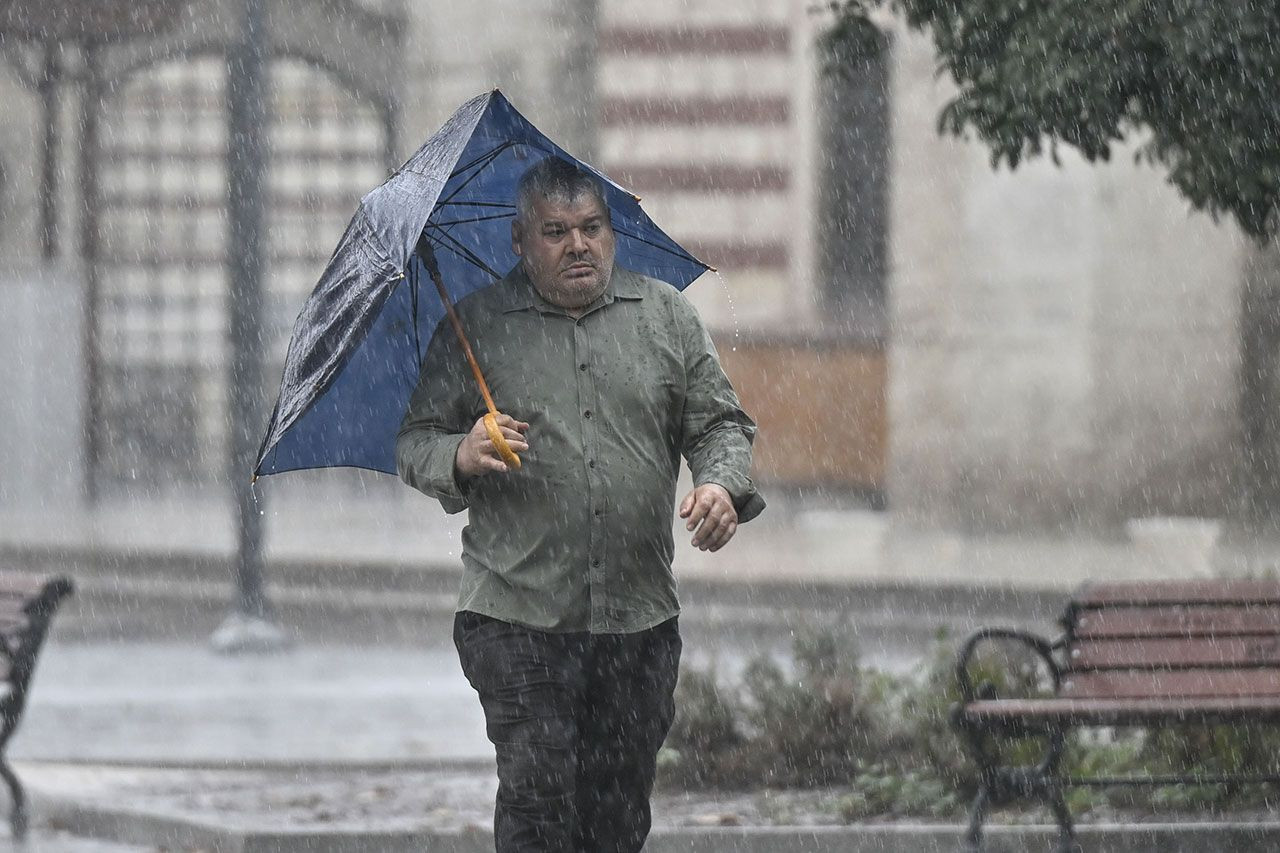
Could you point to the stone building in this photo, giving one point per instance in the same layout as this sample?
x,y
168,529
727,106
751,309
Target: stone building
x,y
1055,346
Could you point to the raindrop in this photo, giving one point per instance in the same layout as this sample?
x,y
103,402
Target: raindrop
x,y
733,312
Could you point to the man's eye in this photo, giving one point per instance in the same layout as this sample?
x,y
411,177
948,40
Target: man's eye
x,y
554,233
593,230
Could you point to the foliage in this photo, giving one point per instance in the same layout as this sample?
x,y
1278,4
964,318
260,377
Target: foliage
x,y
1195,80
887,790
885,745
801,728
706,731
811,728
924,708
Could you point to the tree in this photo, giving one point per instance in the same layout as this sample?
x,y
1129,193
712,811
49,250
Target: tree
x,y
1195,82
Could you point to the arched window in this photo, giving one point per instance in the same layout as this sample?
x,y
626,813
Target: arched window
x,y
163,241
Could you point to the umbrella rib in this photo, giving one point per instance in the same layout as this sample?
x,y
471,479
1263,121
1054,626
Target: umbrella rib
x,y
466,254
413,298
686,256
467,221
500,204
490,153
479,163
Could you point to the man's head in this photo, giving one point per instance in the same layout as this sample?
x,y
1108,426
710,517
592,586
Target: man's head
x,y
562,233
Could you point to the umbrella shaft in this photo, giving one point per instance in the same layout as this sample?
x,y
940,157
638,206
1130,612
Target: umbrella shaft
x,y
462,339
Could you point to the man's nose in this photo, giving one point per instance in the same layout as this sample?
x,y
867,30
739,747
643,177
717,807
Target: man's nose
x,y
577,242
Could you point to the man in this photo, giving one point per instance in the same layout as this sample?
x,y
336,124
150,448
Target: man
x,y
566,624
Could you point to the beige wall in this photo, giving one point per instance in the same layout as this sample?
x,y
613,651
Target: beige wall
x,y
1063,339
21,140
456,51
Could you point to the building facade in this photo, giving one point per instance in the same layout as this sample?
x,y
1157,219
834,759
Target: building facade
x,y
985,349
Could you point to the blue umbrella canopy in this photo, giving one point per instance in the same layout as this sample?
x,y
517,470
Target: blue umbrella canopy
x,y
359,341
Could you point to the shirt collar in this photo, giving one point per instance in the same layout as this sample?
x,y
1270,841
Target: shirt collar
x,y
519,294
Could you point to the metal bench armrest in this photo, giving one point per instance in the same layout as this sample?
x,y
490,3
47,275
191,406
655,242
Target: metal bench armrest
x,y
1042,647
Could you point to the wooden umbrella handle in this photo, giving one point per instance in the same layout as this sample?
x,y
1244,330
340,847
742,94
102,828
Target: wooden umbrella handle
x,y
491,419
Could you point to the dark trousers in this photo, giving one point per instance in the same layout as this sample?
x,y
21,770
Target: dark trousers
x,y
576,720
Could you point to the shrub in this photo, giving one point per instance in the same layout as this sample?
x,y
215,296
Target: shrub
x,y
806,727
705,734
887,742
813,727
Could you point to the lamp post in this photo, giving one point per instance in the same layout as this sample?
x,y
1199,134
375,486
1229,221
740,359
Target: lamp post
x,y
250,625
55,27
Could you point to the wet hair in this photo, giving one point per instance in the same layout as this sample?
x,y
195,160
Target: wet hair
x,y
558,181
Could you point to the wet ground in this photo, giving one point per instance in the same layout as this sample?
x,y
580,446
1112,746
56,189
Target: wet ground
x,y
44,839
169,702
349,799
180,702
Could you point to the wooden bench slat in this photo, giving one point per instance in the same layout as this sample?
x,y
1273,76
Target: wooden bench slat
x,y
1136,654
1121,712
13,606
18,583
1234,592
12,623
1174,684
1178,621
1178,652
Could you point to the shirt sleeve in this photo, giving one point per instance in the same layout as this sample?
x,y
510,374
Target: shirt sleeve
x,y
437,420
716,434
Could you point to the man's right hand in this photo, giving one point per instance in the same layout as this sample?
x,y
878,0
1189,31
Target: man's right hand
x,y
477,455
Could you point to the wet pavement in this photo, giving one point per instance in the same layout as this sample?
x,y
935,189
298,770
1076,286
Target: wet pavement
x,y
48,840
365,579
801,538
166,703
181,703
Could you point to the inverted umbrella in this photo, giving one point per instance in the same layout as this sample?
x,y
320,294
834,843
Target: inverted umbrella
x,y
358,344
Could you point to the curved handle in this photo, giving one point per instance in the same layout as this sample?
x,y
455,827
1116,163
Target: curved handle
x,y
490,420
1039,645
500,442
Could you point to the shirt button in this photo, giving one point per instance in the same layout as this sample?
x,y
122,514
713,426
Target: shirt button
x,y
582,367
599,513
595,564
591,463
587,414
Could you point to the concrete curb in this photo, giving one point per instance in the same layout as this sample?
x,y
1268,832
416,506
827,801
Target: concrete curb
x,y
176,832
122,594
275,765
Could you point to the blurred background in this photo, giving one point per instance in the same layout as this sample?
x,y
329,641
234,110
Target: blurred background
x,y
973,385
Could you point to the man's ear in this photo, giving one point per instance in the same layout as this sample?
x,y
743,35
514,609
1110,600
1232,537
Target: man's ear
x,y
515,238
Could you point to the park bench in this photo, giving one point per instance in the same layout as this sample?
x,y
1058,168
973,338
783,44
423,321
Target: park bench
x,y
27,605
1131,655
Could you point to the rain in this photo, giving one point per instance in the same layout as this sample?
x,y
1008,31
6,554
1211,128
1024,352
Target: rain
x,y
697,425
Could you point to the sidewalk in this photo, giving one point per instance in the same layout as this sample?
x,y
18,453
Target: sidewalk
x,y
387,699
341,811
330,520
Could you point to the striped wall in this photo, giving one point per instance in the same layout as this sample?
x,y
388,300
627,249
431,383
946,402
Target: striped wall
x,y
700,113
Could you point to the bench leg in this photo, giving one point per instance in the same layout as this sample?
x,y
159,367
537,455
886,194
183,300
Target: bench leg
x,y
1066,829
18,816
977,814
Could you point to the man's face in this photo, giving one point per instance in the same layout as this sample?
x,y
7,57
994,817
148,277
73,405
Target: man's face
x,y
567,250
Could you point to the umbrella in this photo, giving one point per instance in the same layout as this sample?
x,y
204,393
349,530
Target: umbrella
x,y
359,341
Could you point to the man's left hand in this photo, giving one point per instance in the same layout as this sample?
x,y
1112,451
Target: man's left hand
x,y
710,510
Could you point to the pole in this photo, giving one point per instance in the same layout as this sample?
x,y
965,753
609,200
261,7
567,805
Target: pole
x,y
249,626
91,94
49,164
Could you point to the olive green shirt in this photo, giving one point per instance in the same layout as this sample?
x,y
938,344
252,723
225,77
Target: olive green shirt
x,y
580,537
